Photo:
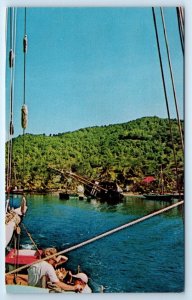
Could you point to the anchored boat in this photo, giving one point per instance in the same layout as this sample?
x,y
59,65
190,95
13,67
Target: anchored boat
x,y
159,197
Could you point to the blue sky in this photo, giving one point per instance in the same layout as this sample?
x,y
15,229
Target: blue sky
x,y
93,66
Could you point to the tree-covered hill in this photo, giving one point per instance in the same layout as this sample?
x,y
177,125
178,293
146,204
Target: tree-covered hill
x,y
125,152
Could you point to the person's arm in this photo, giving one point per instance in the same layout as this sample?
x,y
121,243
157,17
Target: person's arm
x,y
61,259
53,278
67,287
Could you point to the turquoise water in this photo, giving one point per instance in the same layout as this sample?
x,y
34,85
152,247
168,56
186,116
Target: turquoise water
x,y
147,257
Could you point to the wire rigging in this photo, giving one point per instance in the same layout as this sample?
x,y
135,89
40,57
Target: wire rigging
x,y
13,23
180,20
172,78
166,98
30,237
24,110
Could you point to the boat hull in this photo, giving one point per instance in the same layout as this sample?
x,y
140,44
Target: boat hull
x,y
24,289
159,197
64,196
21,257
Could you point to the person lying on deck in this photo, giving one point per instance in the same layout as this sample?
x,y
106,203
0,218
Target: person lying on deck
x,y
39,273
71,279
82,280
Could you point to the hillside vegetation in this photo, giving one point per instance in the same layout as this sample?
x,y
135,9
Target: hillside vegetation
x,y
125,152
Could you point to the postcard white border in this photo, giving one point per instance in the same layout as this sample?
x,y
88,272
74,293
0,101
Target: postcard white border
x,y
188,141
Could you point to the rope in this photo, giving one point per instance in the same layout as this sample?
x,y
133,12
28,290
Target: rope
x,y
11,64
24,51
15,256
7,205
13,19
14,51
16,250
18,232
10,24
9,167
24,111
81,179
165,94
172,79
107,233
29,235
86,181
180,19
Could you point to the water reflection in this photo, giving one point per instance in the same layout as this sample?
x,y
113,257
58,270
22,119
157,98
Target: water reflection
x,y
131,205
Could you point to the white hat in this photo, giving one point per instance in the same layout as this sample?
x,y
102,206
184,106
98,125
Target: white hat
x,y
81,276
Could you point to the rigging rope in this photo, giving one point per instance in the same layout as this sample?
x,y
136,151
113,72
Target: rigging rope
x,y
16,238
24,110
172,79
13,19
100,236
166,98
29,235
180,20
25,51
18,232
11,64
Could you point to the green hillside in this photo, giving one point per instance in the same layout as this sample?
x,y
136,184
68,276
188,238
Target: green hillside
x,y
124,152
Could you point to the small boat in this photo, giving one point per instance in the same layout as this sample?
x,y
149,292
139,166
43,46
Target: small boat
x,y
110,192
21,257
67,196
107,191
18,283
178,196
159,197
64,196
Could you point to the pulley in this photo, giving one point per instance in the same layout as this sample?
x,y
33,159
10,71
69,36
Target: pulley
x,y
24,116
25,44
11,58
11,128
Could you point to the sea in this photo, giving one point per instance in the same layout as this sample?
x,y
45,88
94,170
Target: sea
x,y
146,257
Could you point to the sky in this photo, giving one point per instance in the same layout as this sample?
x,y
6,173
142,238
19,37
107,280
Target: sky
x,y
93,66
